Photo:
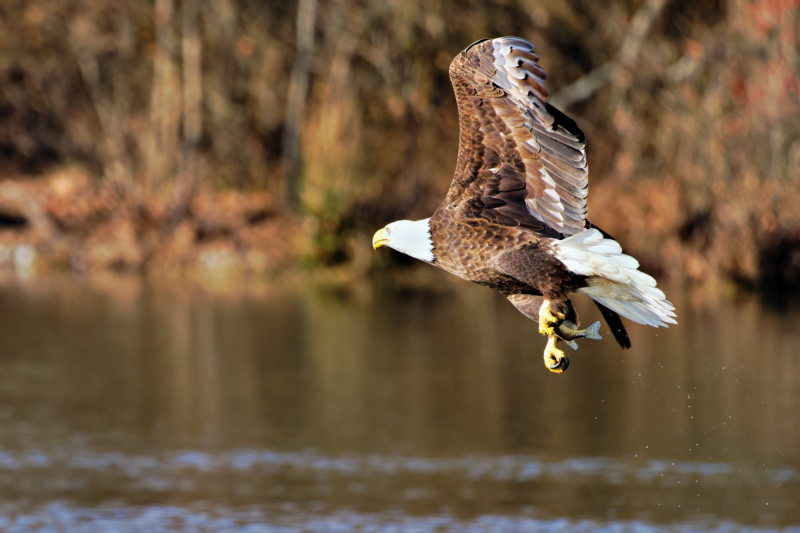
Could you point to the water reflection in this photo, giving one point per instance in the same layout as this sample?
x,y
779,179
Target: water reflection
x,y
300,404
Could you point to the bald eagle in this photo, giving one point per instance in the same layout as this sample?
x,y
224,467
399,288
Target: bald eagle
x,y
514,218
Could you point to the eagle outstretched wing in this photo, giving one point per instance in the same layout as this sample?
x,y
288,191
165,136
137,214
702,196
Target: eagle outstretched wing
x,y
521,162
514,218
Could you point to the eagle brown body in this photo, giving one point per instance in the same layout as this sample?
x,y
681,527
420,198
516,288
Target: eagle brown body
x,y
509,260
514,218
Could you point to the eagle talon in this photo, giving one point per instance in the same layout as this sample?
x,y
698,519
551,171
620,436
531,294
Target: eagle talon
x,y
554,359
548,320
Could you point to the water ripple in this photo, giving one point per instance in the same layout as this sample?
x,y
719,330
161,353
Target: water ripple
x,y
58,516
151,470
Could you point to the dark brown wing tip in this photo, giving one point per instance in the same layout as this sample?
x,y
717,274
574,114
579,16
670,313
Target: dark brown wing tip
x,y
617,327
568,125
476,43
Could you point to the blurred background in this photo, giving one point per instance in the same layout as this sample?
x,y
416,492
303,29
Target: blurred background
x,y
196,335
256,136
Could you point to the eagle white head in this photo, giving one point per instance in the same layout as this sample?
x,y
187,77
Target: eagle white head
x,y
412,237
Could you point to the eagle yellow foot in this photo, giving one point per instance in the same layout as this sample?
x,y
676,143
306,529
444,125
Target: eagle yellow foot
x,y
548,319
554,359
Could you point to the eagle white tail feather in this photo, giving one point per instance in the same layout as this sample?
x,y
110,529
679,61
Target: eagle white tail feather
x,y
613,278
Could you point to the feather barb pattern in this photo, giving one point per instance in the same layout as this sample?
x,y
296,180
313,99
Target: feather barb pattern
x,y
614,279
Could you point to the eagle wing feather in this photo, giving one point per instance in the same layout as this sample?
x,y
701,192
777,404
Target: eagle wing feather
x,y
521,162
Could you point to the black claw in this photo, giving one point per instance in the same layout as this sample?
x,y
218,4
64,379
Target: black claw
x,y
565,363
562,363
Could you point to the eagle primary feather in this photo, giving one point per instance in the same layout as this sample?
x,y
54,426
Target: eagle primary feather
x,y
514,218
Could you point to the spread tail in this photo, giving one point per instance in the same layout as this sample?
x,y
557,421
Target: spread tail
x,y
617,327
613,278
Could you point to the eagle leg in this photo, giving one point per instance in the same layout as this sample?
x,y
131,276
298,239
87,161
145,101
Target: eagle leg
x,y
554,359
548,319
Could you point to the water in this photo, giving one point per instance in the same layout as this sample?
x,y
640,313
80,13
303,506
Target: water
x,y
131,406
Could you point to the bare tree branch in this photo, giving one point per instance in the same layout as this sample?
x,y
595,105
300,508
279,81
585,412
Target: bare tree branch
x,y
162,144
296,101
587,85
116,163
640,25
583,88
191,78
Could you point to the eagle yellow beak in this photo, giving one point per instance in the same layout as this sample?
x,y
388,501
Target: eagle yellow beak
x,y
381,237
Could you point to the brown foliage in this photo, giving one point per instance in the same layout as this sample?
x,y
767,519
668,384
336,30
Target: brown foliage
x,y
706,176
175,112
